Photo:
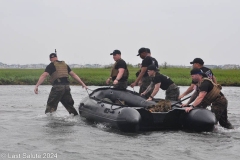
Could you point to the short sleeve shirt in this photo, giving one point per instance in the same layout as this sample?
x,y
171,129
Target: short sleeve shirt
x,y
148,61
163,79
206,86
121,64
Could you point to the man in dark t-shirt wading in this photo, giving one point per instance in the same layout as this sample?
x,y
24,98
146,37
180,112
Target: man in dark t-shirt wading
x,y
143,75
198,63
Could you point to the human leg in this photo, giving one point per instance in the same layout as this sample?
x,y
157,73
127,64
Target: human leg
x,y
219,107
54,98
68,101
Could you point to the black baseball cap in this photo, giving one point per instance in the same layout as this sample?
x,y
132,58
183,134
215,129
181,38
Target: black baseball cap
x,y
152,67
197,60
148,50
196,71
141,50
115,52
52,55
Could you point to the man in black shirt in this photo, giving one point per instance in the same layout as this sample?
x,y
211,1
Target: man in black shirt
x,y
209,93
60,92
143,75
198,63
119,74
163,82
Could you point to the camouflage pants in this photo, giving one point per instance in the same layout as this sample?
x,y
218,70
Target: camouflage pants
x,y
172,93
146,81
219,107
60,93
121,85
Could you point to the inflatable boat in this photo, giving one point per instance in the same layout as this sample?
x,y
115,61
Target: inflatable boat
x,y
128,111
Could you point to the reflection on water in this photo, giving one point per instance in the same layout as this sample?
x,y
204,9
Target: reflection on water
x,y
26,129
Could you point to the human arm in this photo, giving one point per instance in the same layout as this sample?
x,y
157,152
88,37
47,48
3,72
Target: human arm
x,y
193,97
148,88
119,76
143,70
189,90
40,81
108,80
155,91
198,100
77,78
214,79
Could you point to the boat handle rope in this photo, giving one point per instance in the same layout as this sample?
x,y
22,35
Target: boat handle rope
x,y
180,101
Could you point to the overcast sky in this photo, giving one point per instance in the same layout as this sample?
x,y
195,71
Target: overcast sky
x,y
87,31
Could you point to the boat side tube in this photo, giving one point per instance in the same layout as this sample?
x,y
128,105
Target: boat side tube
x,y
200,120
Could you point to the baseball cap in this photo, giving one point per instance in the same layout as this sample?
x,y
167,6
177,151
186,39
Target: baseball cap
x,y
152,67
148,50
141,50
197,60
52,55
196,71
115,52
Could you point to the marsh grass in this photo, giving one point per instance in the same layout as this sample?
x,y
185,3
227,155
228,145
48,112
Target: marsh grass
x,y
98,76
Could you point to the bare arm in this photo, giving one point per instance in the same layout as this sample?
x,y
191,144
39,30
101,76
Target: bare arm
x,y
193,97
40,81
77,78
148,89
155,91
214,79
197,101
189,90
143,70
119,76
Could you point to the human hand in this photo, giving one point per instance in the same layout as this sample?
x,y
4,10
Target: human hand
x,y
149,99
36,89
115,81
108,81
133,84
84,86
180,97
188,109
139,83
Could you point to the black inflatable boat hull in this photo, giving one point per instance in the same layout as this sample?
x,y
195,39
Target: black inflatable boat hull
x,y
134,117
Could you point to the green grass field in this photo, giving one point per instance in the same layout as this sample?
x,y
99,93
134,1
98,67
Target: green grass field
x,y
98,76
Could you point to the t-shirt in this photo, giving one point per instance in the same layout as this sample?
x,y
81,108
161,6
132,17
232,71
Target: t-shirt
x,y
148,61
163,79
206,86
51,68
120,64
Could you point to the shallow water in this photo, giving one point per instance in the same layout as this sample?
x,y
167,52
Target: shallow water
x,y
27,133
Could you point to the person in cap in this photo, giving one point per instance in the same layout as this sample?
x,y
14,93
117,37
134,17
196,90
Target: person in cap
x,y
60,92
163,82
198,63
209,93
143,75
154,60
119,74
